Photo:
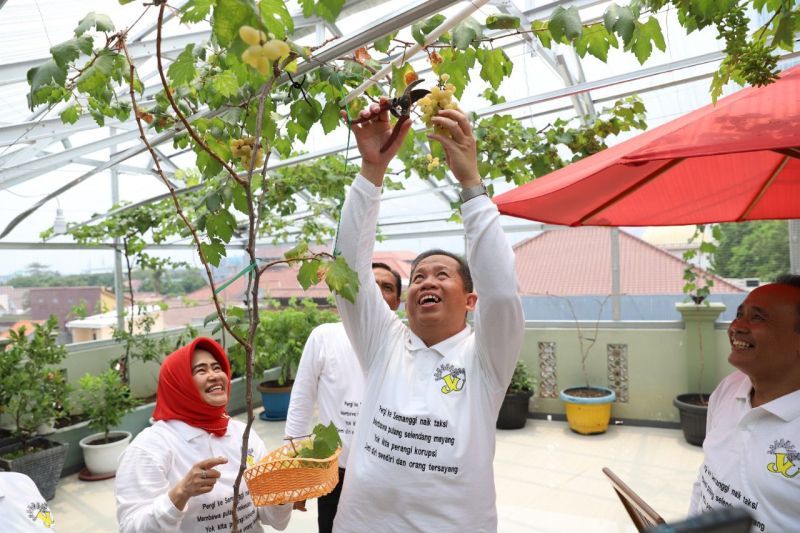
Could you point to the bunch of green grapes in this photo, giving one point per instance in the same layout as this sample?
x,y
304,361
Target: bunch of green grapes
x,y
433,162
441,97
242,149
262,52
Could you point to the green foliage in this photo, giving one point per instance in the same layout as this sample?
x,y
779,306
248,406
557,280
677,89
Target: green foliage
x,y
105,399
698,283
757,249
281,336
325,441
521,380
33,390
142,345
520,154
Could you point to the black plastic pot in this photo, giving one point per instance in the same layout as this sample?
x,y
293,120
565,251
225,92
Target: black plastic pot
x,y
693,410
514,410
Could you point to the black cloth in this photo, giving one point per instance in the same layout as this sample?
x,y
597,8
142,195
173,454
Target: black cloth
x,y
326,506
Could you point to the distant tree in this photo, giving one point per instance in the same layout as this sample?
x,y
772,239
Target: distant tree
x,y
757,249
174,282
51,278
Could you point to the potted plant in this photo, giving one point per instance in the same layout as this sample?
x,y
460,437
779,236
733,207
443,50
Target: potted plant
x,y
35,392
280,339
693,406
514,409
105,399
588,407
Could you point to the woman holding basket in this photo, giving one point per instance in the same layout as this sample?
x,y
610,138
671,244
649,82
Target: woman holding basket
x,y
178,474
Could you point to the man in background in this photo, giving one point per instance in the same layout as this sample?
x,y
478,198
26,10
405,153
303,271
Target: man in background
x,y
329,374
752,445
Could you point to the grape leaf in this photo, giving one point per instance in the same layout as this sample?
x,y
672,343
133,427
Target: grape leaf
x,y
565,24
94,20
276,17
71,50
423,28
70,114
297,251
326,441
195,10
213,251
542,31
620,20
495,65
329,9
182,70
225,83
382,44
466,32
330,117
342,280
502,22
229,16
48,73
309,273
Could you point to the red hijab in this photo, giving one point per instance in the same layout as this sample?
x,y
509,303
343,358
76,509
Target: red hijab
x,y
177,397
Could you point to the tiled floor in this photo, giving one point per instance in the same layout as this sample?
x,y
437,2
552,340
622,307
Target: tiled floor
x,y
548,480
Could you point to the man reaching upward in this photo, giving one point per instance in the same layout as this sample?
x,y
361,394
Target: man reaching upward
x,y
421,457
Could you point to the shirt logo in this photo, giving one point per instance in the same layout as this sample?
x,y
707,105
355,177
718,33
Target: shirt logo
x,y
251,460
40,511
454,378
787,459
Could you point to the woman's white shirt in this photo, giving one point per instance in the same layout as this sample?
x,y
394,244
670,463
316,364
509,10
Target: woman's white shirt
x,y
161,455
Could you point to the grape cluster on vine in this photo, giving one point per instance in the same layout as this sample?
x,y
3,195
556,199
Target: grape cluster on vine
x,y
262,52
441,97
242,149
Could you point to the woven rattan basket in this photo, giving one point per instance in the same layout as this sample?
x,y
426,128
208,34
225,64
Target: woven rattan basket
x,y
278,479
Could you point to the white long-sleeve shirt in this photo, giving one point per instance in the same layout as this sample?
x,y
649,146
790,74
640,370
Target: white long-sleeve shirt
x,y
161,455
23,509
751,457
421,458
328,373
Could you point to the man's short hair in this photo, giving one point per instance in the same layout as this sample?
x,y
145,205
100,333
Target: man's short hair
x,y
398,281
792,280
463,268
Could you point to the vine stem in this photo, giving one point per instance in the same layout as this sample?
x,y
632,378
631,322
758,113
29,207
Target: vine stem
x,y
176,202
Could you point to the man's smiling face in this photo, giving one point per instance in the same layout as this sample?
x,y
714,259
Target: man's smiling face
x,y
765,335
437,302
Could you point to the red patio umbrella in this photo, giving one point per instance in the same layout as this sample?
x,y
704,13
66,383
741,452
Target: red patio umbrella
x,y
733,161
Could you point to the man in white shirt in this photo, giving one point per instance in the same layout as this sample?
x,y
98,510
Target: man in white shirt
x,y
329,372
421,457
752,444
22,506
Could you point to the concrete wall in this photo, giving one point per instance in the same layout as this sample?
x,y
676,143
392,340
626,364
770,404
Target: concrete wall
x,y
663,360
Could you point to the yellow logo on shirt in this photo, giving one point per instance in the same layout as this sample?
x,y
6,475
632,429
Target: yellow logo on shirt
x,y
251,460
786,459
454,378
40,511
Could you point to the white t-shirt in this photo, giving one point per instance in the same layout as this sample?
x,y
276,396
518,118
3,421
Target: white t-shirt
x,y
421,458
328,372
22,506
751,457
161,455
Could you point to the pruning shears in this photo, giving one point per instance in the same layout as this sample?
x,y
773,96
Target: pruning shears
x,y
400,107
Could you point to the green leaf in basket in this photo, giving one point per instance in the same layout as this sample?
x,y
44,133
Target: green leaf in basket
x,y
326,440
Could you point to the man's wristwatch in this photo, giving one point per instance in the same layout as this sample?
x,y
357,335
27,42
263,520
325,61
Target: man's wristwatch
x,y
468,193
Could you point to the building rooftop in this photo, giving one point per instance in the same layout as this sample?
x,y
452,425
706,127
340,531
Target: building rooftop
x,y
548,479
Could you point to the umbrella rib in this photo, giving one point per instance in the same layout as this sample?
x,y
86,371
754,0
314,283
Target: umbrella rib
x,y
630,190
763,190
791,152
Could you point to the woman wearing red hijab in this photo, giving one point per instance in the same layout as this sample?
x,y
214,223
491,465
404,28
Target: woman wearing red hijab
x,y
178,474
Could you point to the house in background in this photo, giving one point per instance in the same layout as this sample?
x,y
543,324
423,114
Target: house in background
x,y
280,283
59,301
101,326
13,301
569,270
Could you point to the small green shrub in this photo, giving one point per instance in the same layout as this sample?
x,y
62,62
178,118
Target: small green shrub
x,y
521,380
105,399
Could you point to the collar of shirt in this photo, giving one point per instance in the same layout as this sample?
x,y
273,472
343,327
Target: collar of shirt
x,y
414,343
189,433
787,407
